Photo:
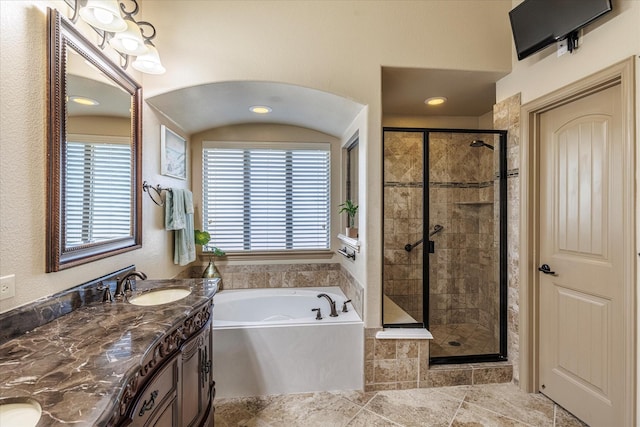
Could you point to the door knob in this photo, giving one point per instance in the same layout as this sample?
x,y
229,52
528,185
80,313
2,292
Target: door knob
x,y
546,269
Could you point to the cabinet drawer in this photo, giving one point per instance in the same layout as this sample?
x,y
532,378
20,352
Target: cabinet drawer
x,y
151,399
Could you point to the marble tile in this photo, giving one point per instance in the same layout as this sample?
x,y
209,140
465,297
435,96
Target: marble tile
x,y
407,370
232,414
366,418
421,407
309,409
449,377
504,399
446,406
385,371
471,415
564,419
492,374
384,349
358,397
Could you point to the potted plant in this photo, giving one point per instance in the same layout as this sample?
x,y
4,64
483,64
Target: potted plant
x,y
202,238
351,211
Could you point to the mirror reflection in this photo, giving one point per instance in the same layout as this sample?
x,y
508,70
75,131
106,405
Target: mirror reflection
x,y
97,200
94,136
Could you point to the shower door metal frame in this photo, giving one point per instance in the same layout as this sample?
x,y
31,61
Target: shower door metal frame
x,y
503,283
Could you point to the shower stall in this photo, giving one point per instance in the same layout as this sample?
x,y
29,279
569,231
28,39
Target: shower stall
x,y
444,239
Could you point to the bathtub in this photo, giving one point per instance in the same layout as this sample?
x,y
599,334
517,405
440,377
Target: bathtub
x,y
268,341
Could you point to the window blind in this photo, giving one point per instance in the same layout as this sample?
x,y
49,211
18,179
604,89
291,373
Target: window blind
x,y
261,199
97,199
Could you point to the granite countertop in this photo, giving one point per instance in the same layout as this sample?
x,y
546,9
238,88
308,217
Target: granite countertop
x,y
77,365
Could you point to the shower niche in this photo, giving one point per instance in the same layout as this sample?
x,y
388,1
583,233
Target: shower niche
x,y
444,239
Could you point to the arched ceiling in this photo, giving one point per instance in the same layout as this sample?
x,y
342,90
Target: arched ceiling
x,y
202,107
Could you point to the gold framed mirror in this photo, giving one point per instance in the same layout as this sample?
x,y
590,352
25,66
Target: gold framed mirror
x,y
94,152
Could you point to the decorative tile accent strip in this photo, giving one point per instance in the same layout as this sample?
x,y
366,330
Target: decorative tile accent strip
x,y
404,184
453,184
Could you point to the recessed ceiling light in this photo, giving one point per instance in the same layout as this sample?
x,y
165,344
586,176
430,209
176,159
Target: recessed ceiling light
x,y
435,100
83,100
261,109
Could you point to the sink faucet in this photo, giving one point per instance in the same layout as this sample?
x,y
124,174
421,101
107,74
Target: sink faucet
x,y
332,304
124,284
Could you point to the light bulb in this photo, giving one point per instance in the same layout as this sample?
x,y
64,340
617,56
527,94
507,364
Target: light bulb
x,y
103,16
130,44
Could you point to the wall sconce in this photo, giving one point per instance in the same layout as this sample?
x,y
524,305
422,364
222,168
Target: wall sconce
x,y
117,26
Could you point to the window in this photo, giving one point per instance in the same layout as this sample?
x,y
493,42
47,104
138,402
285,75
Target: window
x,y
97,173
269,197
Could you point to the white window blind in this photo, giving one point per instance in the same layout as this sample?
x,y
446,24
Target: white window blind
x,y
97,196
262,199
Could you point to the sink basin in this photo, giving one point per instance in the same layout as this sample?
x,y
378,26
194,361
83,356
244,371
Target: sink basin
x,y
159,296
19,412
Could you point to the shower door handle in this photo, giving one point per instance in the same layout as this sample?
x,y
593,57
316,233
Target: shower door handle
x,y
432,247
546,269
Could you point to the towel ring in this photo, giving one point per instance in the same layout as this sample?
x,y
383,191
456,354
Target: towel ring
x,y
158,190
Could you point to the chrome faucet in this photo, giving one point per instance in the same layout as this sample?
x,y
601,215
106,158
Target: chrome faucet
x,y
123,285
332,304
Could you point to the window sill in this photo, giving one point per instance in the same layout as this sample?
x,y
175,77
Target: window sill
x,y
352,243
273,255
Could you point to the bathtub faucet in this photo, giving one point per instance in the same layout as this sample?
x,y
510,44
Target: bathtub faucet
x,y
332,304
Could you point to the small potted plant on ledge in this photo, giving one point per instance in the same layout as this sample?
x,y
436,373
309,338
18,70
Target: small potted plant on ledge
x,y
202,238
351,211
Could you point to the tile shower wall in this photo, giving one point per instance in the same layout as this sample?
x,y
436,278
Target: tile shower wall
x,y
403,220
462,271
506,115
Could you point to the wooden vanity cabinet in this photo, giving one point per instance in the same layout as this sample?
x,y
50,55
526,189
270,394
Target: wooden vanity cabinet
x,y
180,389
196,378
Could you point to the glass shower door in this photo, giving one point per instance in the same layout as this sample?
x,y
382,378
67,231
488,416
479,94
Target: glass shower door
x,y
464,274
444,239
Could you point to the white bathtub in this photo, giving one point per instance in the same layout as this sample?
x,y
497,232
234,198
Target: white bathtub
x,y
268,341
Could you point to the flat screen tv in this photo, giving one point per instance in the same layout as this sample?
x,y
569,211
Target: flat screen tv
x,y
538,23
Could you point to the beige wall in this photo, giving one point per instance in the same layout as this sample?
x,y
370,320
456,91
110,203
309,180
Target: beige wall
x,y
614,39
337,47
23,168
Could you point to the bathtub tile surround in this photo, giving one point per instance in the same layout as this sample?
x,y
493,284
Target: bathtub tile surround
x,y
506,115
495,405
288,276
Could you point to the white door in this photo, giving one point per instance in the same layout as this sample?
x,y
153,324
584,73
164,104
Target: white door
x,y
581,331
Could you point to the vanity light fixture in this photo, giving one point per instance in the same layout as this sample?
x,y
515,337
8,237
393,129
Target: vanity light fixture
x,y
130,41
260,109
115,24
149,62
103,14
435,100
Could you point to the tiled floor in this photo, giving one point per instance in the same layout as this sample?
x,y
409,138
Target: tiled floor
x,y
493,405
473,339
